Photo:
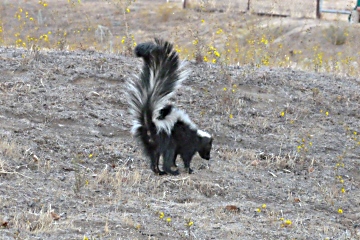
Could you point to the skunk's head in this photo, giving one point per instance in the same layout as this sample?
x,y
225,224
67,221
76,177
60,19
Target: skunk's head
x,y
205,144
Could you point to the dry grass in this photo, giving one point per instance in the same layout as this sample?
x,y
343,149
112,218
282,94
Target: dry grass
x,y
9,151
198,32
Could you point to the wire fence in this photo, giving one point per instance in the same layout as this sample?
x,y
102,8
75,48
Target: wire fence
x,y
333,6
288,8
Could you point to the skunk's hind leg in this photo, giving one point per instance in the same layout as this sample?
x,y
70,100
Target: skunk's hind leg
x,y
187,160
174,160
169,160
154,157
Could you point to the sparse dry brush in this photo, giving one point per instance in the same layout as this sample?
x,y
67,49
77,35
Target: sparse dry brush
x,y
114,27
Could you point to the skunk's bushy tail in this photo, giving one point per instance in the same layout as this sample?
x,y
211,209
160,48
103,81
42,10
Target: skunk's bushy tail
x,y
161,75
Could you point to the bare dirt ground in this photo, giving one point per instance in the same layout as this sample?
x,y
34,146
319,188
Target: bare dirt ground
x,y
285,162
66,148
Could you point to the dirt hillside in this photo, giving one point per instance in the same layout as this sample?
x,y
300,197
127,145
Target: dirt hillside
x,y
285,162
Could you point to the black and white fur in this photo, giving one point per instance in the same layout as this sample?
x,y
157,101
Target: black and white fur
x,y
161,128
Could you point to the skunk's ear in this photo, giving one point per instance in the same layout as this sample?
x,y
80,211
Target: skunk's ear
x,y
205,140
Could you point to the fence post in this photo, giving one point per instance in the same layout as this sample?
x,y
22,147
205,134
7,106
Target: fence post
x,y
184,4
318,9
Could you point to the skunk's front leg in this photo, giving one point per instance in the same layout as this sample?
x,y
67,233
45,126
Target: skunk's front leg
x,y
168,156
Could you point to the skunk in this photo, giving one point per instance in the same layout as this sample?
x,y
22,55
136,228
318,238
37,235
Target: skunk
x,y
161,128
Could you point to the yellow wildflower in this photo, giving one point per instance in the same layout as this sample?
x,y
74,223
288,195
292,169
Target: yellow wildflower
x,y
287,222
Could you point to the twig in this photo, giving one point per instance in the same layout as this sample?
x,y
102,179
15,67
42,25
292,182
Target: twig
x,y
273,174
5,172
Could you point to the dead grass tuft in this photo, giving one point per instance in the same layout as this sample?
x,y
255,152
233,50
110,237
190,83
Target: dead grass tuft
x,y
9,149
337,35
166,11
36,222
9,154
